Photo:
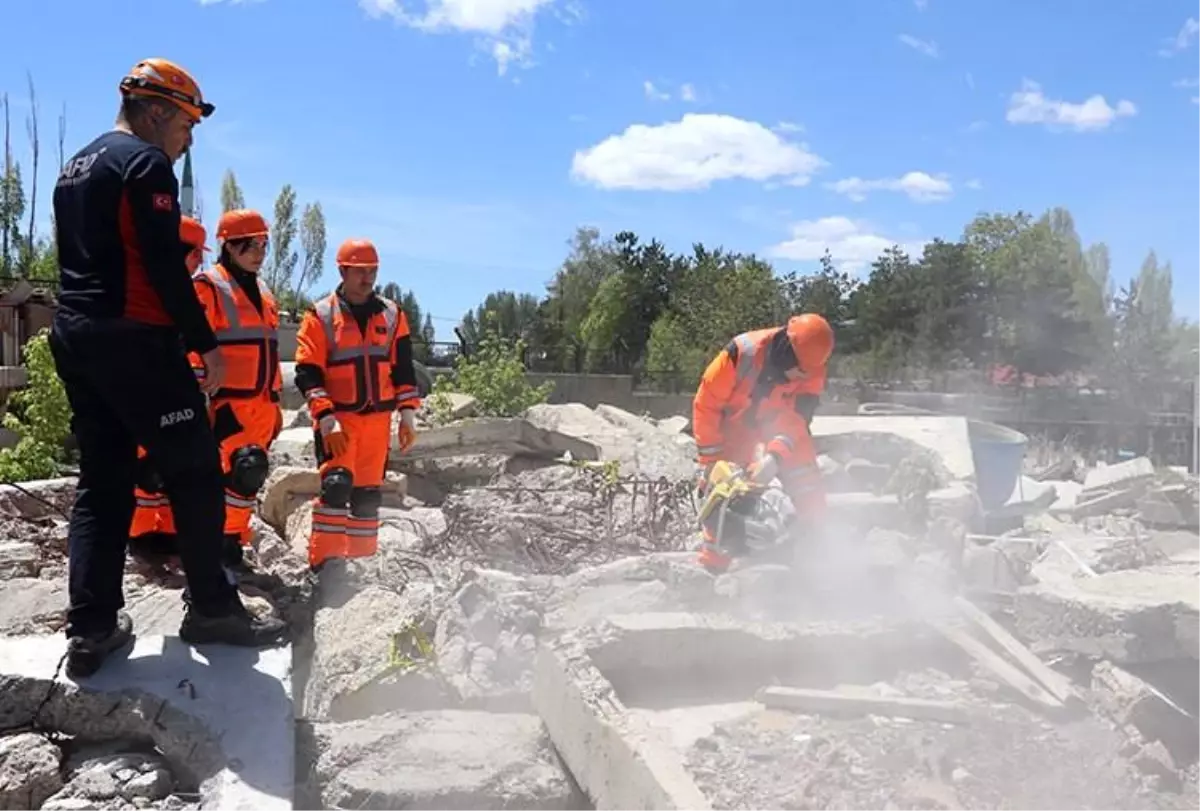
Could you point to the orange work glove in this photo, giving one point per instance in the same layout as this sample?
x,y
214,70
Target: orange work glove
x,y
406,432
333,436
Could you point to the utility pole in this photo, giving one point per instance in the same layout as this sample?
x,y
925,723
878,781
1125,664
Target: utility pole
x,y
187,189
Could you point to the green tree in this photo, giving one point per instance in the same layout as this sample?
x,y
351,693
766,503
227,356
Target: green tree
x,y
231,193
511,315
558,330
1145,354
494,375
40,416
312,260
281,269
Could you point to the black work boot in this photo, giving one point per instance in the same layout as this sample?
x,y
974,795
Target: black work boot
x,y
235,627
85,654
233,555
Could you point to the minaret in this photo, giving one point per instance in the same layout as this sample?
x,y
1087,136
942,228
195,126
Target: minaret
x,y
187,189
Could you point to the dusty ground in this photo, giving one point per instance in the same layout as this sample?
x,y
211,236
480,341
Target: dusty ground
x,y
1007,758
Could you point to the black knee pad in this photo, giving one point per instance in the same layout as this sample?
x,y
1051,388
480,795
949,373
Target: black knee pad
x,y
337,484
248,469
365,502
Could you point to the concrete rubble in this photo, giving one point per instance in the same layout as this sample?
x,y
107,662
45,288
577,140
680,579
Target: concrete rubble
x,y
535,633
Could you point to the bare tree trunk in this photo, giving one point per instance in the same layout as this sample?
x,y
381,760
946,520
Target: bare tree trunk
x,y
6,256
31,125
62,137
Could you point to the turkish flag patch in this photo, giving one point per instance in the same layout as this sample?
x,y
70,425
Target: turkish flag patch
x,y
163,202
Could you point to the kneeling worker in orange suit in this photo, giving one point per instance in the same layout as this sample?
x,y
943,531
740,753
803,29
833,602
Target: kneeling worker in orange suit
x,y
152,531
763,389
354,365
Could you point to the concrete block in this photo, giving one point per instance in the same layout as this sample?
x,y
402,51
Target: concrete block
x,y
486,436
847,703
619,760
1119,475
221,716
1128,616
946,437
440,759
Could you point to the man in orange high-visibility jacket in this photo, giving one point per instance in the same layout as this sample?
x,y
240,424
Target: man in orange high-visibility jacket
x,y
153,528
762,389
354,366
245,318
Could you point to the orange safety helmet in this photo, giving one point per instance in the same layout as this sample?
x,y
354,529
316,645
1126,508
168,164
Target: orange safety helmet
x,y
241,223
357,253
165,80
192,233
811,338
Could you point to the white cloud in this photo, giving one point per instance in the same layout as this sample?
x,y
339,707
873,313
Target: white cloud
x,y
693,153
852,244
927,47
788,127
919,186
1029,106
687,92
653,93
504,27
1182,40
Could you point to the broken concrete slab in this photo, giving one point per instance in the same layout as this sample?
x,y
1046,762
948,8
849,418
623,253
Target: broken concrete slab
x,y
32,606
861,703
587,680
1173,505
494,435
450,406
293,445
38,498
947,438
18,559
637,445
221,716
1118,476
445,759
674,425
1132,701
29,770
618,759
1128,616
356,671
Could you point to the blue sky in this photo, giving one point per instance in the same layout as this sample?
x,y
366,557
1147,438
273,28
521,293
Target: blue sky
x,y
469,138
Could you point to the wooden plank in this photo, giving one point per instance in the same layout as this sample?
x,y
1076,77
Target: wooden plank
x,y
999,666
1056,683
832,702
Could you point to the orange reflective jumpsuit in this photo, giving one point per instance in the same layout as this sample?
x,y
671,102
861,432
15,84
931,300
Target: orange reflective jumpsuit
x,y
742,404
354,365
245,319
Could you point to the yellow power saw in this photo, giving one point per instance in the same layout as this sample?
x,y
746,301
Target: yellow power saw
x,y
739,515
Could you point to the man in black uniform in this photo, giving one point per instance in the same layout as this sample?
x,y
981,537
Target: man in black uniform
x,y
127,313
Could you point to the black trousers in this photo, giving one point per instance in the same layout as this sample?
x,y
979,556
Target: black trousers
x,y
130,384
